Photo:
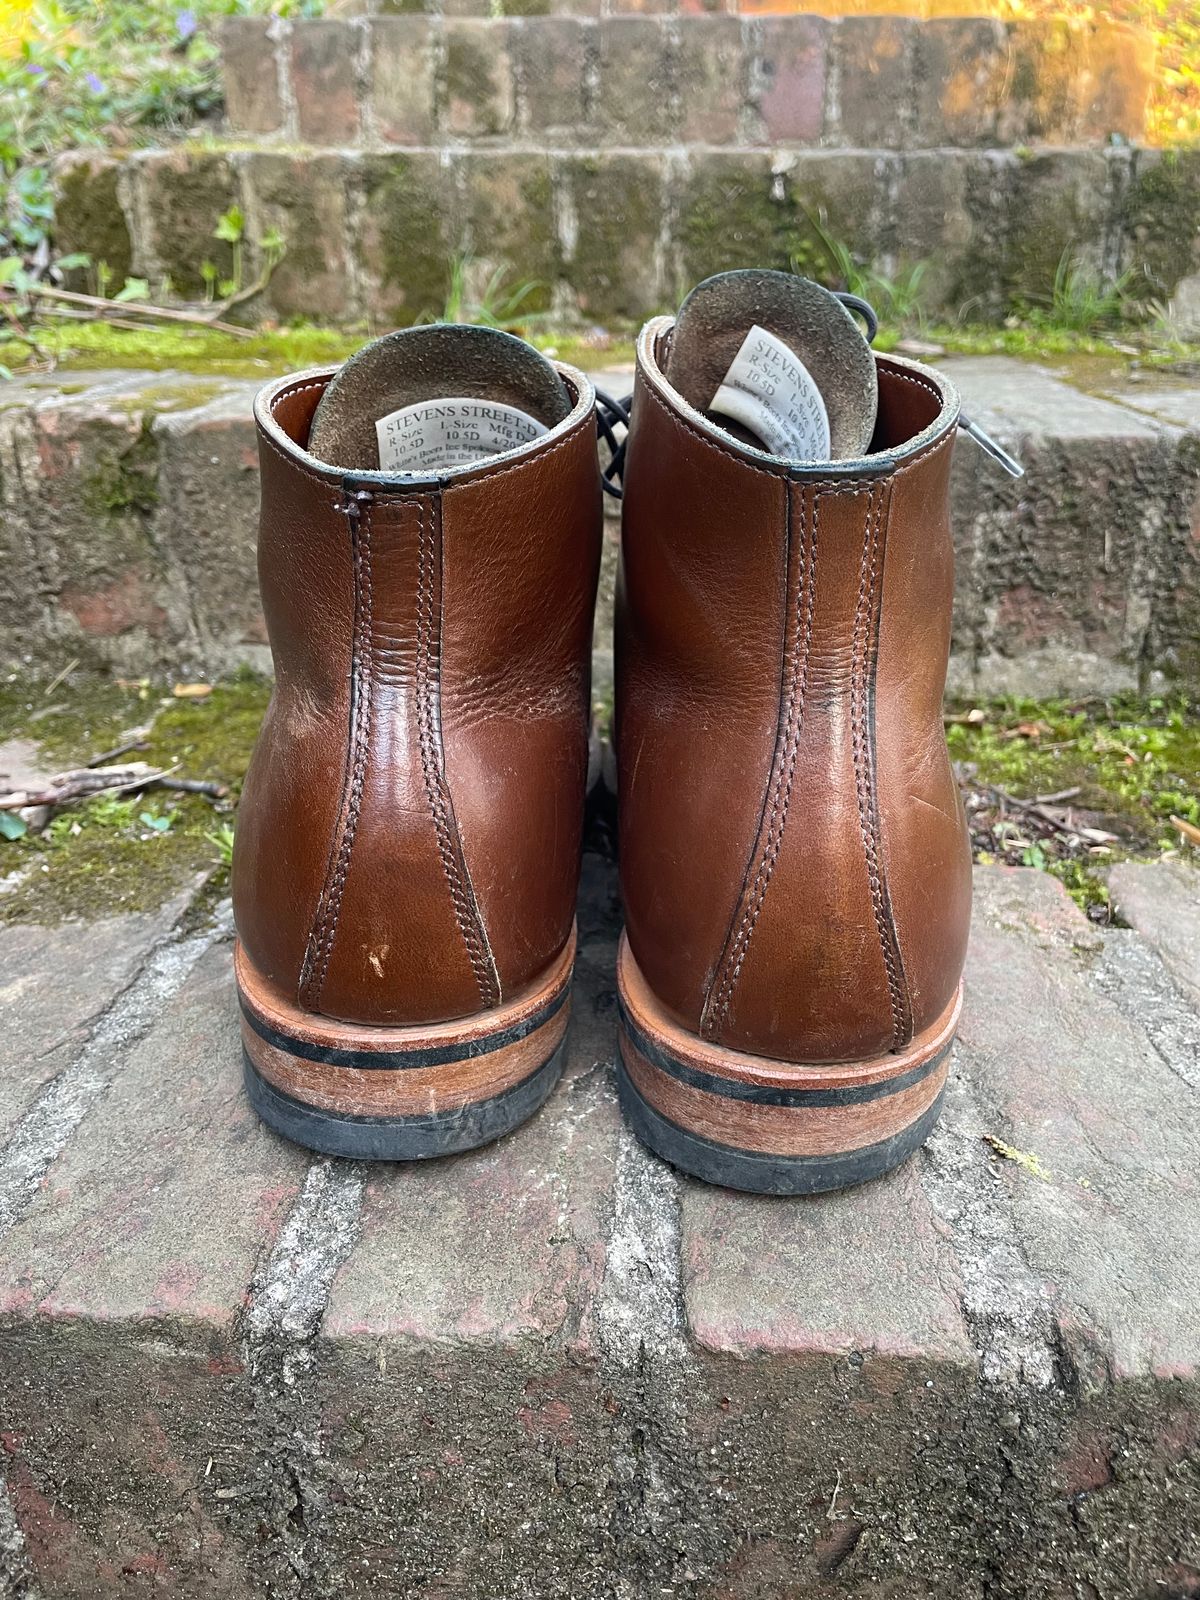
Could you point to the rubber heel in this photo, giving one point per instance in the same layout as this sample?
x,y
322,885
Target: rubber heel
x,y
401,1094
773,1127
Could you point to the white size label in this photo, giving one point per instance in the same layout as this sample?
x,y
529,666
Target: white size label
x,y
450,433
769,390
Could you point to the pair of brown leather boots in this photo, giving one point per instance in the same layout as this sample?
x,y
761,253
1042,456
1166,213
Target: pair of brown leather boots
x,y
794,857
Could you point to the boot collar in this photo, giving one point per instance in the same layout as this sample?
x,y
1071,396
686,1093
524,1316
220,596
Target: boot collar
x,y
905,388
283,411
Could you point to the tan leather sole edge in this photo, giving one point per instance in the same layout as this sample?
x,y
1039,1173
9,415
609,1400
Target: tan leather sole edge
x,y
401,1093
773,1126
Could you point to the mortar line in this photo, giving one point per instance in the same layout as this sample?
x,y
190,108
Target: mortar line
x,y
44,1131
16,1572
287,1299
644,1353
1008,1317
1133,975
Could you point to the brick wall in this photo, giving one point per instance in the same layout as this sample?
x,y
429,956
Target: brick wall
x,y
859,82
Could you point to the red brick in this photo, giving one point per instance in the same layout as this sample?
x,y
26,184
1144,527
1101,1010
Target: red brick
x,y
553,52
792,101
250,73
712,76
324,80
875,93
480,85
402,79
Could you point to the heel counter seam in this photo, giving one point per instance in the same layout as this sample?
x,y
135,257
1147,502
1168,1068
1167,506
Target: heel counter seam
x,y
321,939
449,842
779,793
864,662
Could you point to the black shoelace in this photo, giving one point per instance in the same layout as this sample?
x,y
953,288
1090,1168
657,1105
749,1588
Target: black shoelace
x,y
612,414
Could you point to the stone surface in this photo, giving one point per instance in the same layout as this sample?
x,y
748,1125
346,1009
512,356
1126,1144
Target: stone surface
x,y
511,1254
102,509
637,68
869,1270
1102,588
1161,900
62,980
875,86
555,56
229,1369
104,1240
1074,1084
712,80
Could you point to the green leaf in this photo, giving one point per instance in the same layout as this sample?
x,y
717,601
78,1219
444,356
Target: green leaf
x,y
231,226
159,824
133,289
77,258
223,840
11,825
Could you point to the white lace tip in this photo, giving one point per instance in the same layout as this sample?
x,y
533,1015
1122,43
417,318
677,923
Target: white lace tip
x,y
986,442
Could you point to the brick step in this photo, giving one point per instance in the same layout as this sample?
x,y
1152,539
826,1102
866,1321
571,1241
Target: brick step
x,y
128,508
856,81
613,235
552,1368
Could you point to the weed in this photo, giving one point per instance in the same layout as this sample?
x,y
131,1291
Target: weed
x,y
222,840
1127,765
895,297
1082,299
496,304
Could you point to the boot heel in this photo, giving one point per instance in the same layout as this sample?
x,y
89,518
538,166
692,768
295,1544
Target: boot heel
x,y
773,1127
401,1094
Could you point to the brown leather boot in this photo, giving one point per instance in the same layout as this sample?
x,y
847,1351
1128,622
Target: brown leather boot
x,y
795,861
408,840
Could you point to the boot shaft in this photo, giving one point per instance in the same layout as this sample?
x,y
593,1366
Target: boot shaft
x,y
408,837
794,856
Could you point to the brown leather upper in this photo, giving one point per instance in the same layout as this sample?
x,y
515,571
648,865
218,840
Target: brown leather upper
x,y
795,862
409,832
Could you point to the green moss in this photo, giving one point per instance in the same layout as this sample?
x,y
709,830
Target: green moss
x,y
88,217
1055,209
730,218
101,856
618,202
214,355
471,81
186,197
407,209
125,480
1134,762
511,222
1161,214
